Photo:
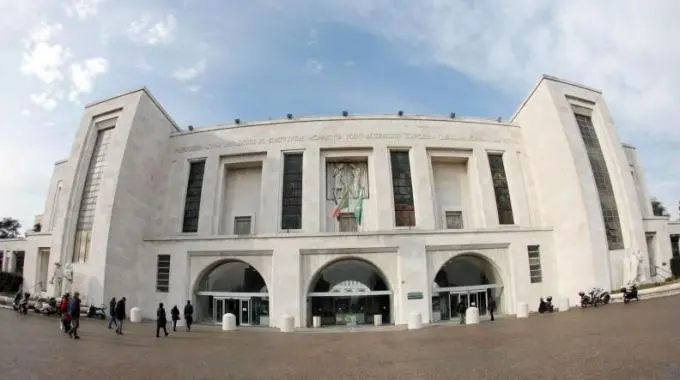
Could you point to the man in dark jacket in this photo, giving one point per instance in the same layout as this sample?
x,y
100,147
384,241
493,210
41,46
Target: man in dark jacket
x,y
120,315
189,314
112,313
74,311
174,313
492,307
161,320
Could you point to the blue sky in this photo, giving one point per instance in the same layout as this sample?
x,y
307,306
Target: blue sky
x,y
211,61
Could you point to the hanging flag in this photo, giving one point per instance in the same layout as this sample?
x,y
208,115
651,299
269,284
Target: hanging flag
x,y
344,203
359,208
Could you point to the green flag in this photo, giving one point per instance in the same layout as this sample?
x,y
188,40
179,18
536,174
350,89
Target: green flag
x,y
359,208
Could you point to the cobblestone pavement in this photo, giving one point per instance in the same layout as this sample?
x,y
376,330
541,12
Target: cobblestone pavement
x,y
636,341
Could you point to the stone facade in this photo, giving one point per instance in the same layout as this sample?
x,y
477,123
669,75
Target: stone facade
x,y
139,207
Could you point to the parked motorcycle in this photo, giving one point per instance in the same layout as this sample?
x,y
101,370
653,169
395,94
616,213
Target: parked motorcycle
x,y
47,307
96,312
630,293
600,295
545,306
594,297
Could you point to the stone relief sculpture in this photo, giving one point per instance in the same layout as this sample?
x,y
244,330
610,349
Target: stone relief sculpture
x,y
61,273
632,263
346,179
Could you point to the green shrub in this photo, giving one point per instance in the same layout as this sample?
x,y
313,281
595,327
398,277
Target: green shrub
x,y
675,266
10,282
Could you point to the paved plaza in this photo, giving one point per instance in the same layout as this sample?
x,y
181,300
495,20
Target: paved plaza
x,y
611,342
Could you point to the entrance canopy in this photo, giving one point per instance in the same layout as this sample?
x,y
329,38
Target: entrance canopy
x,y
232,277
351,277
466,271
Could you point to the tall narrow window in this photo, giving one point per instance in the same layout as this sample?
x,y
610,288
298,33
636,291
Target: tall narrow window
x,y
535,271
610,212
192,201
402,189
163,274
291,197
20,257
500,189
675,245
88,202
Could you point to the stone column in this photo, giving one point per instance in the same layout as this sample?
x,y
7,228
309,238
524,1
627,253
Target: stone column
x,y
11,261
380,175
268,222
485,199
209,215
423,195
311,187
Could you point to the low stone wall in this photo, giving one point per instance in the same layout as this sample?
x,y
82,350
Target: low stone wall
x,y
658,291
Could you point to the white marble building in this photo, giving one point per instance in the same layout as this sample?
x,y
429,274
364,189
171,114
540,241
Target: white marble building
x,y
345,217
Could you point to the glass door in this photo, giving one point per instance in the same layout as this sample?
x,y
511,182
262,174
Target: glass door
x,y
218,309
482,303
245,311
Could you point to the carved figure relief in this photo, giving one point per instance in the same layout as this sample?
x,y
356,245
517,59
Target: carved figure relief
x,y
346,177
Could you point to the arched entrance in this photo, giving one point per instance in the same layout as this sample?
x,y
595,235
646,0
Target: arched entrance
x,y
349,292
466,278
233,287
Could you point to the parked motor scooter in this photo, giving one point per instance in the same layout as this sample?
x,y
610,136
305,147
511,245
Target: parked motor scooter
x,y
545,306
47,307
586,300
96,312
630,293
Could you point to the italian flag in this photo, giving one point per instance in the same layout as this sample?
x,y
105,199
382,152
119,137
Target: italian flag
x,y
359,208
344,203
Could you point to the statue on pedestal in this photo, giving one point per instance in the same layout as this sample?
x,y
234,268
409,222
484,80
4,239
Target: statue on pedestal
x,y
632,263
60,273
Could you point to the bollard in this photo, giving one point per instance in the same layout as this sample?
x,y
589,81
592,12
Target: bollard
x,y
136,315
287,323
471,315
377,320
415,322
522,310
316,321
563,304
228,322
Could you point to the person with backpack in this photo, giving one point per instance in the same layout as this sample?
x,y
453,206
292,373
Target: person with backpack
x,y
120,315
112,313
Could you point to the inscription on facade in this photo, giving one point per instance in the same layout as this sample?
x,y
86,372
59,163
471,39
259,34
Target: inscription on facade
x,y
320,138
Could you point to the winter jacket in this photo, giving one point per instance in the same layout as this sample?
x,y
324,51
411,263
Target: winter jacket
x,y
120,310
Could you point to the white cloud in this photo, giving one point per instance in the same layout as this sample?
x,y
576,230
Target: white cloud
x,y
349,63
82,9
44,100
26,111
160,32
83,76
188,73
313,66
194,88
41,58
624,47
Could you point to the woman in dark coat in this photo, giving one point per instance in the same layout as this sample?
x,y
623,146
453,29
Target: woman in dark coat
x,y
174,313
161,320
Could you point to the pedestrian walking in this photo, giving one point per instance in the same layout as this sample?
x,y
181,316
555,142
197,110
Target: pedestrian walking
x,y
74,311
189,314
120,315
492,307
64,311
161,320
462,308
112,313
174,313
